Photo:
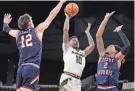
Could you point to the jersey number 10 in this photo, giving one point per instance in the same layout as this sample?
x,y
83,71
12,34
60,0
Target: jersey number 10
x,y
78,59
26,40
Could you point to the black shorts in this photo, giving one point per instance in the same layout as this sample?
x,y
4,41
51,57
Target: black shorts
x,y
27,77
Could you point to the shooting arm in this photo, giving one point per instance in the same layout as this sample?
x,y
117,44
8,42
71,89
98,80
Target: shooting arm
x,y
66,33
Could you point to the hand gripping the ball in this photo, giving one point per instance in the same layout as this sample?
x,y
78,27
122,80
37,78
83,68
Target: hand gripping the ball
x,y
67,16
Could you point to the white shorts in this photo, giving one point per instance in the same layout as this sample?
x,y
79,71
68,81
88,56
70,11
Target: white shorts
x,y
73,84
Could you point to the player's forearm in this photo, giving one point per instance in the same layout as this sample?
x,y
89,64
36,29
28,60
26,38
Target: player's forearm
x,y
102,28
66,30
125,41
6,28
90,39
66,25
123,38
56,10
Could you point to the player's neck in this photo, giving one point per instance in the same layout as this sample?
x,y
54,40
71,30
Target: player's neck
x,y
111,54
77,49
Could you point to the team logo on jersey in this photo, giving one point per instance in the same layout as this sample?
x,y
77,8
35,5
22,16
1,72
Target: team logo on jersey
x,y
78,53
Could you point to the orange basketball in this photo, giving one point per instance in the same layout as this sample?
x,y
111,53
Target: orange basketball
x,y
72,9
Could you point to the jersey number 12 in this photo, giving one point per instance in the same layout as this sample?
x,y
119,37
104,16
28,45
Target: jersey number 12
x,y
78,59
26,40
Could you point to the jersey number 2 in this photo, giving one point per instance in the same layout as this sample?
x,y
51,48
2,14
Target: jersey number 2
x,y
105,65
26,40
78,59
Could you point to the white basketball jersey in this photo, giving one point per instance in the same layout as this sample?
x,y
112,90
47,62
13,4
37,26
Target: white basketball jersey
x,y
74,62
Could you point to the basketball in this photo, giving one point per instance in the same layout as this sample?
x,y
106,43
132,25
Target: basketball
x,y
72,9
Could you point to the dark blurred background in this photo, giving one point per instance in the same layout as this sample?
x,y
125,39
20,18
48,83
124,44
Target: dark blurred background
x,y
52,62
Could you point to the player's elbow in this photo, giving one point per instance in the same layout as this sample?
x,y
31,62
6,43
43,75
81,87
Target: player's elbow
x,y
89,49
128,45
92,46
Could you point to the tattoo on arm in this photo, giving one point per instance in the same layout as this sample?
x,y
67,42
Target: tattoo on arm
x,y
100,46
91,46
90,39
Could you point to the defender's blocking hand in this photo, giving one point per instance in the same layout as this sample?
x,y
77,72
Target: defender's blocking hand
x,y
7,18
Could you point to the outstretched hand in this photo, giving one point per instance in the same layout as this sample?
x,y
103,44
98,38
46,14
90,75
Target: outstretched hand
x,y
117,29
7,18
88,28
108,15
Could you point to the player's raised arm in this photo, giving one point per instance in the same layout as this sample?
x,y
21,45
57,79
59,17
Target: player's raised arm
x,y
44,25
66,33
7,19
99,40
66,29
91,46
125,49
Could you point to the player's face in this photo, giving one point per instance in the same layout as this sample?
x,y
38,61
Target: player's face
x,y
74,42
111,49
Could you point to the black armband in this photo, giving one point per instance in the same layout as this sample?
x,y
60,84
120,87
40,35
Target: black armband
x,y
126,43
6,28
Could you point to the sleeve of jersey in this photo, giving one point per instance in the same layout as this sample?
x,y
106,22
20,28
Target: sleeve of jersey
x,y
65,47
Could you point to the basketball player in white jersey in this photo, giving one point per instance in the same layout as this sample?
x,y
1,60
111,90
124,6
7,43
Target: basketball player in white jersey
x,y
74,59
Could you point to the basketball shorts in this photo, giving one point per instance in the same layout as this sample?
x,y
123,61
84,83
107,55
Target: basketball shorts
x,y
69,83
27,77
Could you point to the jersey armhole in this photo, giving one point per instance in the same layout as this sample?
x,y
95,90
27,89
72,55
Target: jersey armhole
x,y
100,57
38,36
17,37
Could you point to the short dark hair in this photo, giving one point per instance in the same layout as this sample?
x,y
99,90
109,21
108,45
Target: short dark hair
x,y
23,21
117,48
72,37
